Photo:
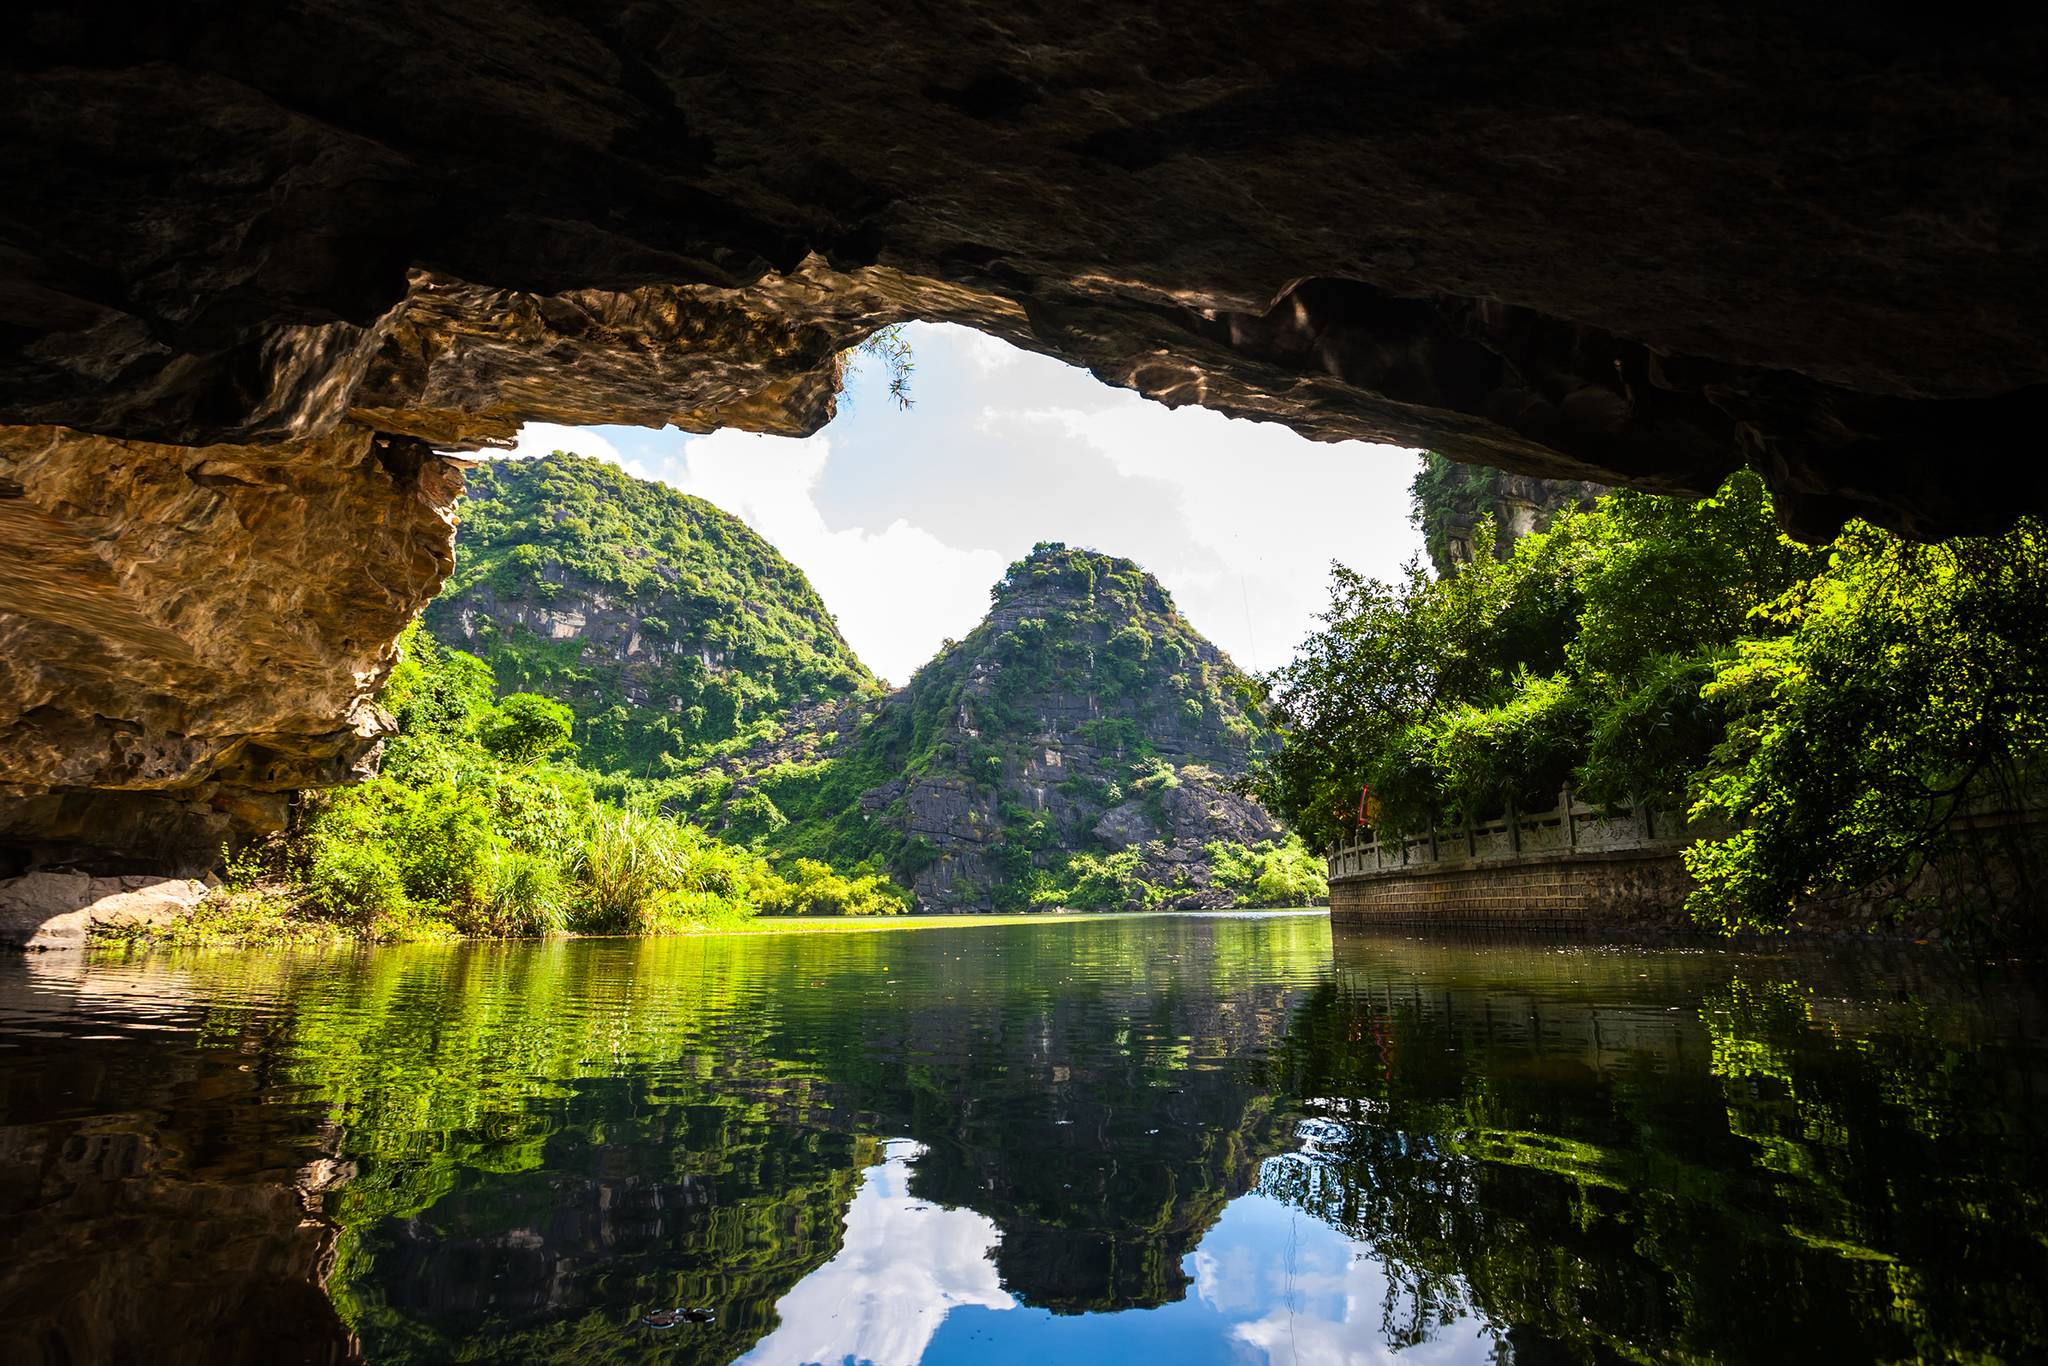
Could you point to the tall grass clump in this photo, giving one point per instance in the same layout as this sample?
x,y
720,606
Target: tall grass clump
x,y
628,861
528,895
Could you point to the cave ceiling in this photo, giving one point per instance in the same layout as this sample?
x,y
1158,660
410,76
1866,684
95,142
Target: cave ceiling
x,y
1594,241
261,264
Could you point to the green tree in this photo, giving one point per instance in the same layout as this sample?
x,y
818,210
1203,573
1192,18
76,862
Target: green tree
x,y
1910,682
1843,709
526,727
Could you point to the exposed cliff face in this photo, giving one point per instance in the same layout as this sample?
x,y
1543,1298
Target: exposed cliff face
x,y
190,635
1451,501
663,621
1639,249
1083,716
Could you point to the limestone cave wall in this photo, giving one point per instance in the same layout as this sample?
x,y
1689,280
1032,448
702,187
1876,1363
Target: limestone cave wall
x,y
258,263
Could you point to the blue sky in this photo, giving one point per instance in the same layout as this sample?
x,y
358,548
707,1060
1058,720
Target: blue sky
x,y
916,1282
903,520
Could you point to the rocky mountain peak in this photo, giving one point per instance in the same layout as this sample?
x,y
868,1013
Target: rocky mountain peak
x,y
666,623
1080,746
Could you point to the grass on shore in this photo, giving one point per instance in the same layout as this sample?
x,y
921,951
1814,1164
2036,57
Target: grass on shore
x,y
272,915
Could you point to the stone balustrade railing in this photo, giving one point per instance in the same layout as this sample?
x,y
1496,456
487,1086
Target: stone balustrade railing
x,y
1570,827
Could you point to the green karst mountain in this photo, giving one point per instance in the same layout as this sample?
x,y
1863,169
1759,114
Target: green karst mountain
x,y
1448,500
666,624
1079,748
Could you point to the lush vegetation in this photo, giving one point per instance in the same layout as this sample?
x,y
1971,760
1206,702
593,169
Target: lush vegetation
x,y
1836,708
482,822
1082,652
668,626
1695,1193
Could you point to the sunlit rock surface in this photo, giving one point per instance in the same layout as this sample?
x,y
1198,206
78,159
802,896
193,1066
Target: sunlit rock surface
x,y
57,910
1638,248
191,634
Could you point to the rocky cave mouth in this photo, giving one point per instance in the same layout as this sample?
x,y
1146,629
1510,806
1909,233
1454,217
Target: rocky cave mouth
x,y
245,306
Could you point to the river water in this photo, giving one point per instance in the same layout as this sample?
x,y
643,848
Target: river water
x,y
1174,1139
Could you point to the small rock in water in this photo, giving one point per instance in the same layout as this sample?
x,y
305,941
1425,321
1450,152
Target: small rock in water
x,y
669,1318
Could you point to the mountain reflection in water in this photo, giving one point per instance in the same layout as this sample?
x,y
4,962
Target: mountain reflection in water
x,y
1197,1138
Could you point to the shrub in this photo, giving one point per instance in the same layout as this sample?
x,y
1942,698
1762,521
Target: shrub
x,y
354,881
442,841
1521,751
1269,873
1103,882
527,895
815,889
525,727
751,815
626,862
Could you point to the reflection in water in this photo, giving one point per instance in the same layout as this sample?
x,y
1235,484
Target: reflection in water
x,y
1190,1139
905,1264
1681,1154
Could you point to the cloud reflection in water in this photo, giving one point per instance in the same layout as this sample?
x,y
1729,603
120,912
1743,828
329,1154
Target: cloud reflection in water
x,y
906,1263
915,1283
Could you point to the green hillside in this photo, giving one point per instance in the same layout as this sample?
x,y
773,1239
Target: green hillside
x,y
666,624
1080,747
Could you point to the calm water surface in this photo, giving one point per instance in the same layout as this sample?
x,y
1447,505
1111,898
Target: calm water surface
x,y
1160,1140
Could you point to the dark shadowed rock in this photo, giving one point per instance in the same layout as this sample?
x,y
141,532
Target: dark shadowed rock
x,y
1636,247
1639,248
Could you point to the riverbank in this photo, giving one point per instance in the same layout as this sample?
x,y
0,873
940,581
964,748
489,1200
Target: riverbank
x,y
275,917
281,915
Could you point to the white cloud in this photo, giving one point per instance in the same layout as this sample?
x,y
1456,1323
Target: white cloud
x,y
543,438
985,353
898,592
904,1265
1293,1289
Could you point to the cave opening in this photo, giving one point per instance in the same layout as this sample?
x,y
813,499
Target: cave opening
x,y
244,306
904,515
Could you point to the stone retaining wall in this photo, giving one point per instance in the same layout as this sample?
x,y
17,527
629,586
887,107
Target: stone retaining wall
x,y
1539,891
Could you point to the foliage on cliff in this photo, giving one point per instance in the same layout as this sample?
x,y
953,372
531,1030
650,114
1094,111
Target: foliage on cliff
x,y
665,623
1448,499
1443,497
482,822
1838,707
1078,748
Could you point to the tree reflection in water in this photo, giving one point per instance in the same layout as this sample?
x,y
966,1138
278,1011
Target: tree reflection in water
x,y
1202,1139
1701,1156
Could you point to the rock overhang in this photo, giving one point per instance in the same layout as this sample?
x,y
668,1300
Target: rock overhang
x,y
254,250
